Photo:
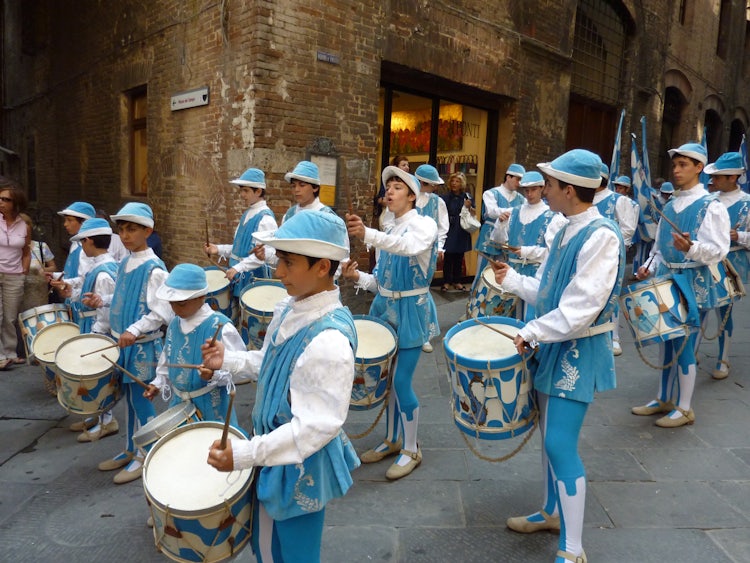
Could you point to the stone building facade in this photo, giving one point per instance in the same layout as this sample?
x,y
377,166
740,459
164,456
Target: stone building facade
x,y
92,91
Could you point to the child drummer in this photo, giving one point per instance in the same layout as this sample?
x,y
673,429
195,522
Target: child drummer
x,y
94,237
574,293
401,279
179,364
245,265
136,315
304,373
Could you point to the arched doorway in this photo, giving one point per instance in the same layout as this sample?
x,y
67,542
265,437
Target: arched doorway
x,y
674,104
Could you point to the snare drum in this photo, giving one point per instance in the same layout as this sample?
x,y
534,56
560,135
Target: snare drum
x,y
655,310
33,320
199,513
729,286
491,382
173,417
376,348
489,299
258,301
219,296
86,381
45,345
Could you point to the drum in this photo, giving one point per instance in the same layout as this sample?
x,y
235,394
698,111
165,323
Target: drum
x,y
258,301
33,320
729,285
491,382
376,349
655,310
86,380
45,345
489,299
199,513
173,417
219,296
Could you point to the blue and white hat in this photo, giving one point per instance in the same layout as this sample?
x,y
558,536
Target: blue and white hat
x,y
428,174
251,178
577,167
318,234
93,227
604,171
185,281
695,151
728,164
391,171
515,170
305,171
622,181
667,188
136,212
532,179
79,209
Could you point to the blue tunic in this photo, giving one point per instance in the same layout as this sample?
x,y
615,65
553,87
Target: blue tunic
x,y
181,348
128,305
243,244
86,324
531,234
738,255
294,209
488,224
287,491
575,369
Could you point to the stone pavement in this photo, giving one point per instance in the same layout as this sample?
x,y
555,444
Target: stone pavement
x,y
653,494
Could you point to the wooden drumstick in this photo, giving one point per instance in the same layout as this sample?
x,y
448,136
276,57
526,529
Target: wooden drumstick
x,y
497,330
487,257
107,347
216,334
225,431
670,223
215,263
208,252
126,372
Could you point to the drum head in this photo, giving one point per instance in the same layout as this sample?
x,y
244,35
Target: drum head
x,y
375,339
217,280
82,355
49,338
488,275
177,475
263,297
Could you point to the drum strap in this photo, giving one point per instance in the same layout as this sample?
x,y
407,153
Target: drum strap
x,y
597,329
87,314
143,338
736,248
401,294
187,395
683,265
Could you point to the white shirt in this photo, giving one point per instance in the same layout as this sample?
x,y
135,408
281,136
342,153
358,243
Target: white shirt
x,y
743,231
320,385
626,214
586,294
161,312
104,287
528,213
443,223
409,235
712,242
489,200
267,223
229,337
116,250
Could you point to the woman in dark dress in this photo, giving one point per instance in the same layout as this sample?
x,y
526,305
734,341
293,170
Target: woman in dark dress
x,y
458,241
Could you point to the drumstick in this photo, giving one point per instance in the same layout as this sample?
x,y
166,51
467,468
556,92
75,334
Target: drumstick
x,y
487,257
225,431
349,200
207,241
216,334
107,347
670,223
215,263
126,372
491,327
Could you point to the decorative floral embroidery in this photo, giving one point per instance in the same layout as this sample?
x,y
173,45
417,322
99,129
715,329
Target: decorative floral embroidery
x,y
572,375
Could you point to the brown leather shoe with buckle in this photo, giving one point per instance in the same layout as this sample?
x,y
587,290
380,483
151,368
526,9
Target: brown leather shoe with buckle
x,y
397,471
523,525
120,460
374,455
685,418
651,408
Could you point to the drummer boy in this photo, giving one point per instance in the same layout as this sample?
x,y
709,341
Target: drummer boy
x,y
136,315
304,373
179,363
245,263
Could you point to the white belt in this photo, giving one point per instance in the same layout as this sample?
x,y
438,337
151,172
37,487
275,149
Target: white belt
x,y
142,338
736,248
187,395
233,256
401,294
523,261
683,265
597,329
87,314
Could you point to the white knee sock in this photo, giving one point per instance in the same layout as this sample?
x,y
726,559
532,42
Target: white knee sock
x,y
687,385
571,508
410,435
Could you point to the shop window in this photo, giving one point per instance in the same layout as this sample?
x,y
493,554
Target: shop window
x,y
137,141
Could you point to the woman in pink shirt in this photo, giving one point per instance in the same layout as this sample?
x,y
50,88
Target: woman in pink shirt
x,y
15,259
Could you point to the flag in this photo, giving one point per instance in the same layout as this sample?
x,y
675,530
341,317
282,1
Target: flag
x,y
614,167
644,151
743,181
643,194
704,178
